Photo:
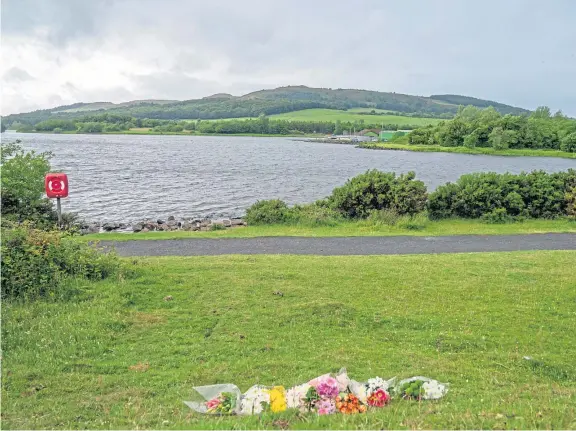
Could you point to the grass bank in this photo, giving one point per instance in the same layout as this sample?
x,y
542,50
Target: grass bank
x,y
464,150
119,356
360,228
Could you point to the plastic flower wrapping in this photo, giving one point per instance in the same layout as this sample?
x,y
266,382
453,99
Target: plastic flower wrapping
x,y
324,395
421,388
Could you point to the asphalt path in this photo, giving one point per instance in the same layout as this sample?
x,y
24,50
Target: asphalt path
x,y
342,246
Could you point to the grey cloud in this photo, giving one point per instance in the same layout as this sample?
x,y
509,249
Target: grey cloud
x,y
177,85
519,51
15,74
64,20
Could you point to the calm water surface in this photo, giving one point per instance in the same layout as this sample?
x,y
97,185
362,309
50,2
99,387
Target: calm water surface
x,y
129,177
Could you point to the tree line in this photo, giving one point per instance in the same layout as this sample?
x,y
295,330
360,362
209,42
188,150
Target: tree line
x,y
473,127
102,123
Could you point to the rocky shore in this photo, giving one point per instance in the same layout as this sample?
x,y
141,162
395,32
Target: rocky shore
x,y
169,224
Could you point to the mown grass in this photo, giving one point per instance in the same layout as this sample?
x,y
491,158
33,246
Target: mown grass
x,y
464,150
120,356
334,114
359,228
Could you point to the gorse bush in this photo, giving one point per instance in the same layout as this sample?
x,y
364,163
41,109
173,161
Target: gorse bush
x,y
386,199
499,197
37,263
277,212
375,190
272,211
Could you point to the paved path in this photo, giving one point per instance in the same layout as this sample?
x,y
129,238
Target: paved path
x,y
332,246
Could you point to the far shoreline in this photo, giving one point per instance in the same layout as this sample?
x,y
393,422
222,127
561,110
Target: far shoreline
x,y
390,146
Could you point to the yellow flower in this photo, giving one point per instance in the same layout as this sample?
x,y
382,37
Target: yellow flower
x,y
277,399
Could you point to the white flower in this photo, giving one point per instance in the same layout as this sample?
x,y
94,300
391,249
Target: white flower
x,y
375,384
252,400
296,395
433,390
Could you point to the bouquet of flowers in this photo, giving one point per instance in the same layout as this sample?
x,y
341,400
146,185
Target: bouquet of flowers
x,y
348,404
224,403
421,388
216,399
377,392
324,395
321,395
255,400
277,399
296,397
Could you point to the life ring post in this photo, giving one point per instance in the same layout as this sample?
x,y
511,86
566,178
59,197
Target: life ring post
x,y
59,211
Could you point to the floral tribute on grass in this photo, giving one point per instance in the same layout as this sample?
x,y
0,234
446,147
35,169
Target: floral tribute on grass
x,y
324,395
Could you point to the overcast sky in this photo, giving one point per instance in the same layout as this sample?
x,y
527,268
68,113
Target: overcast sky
x,y
56,52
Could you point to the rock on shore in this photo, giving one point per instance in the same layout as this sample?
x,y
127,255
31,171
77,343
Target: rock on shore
x,y
172,224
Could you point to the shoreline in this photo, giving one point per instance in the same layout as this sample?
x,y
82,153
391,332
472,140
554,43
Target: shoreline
x,y
138,132
162,225
320,138
464,150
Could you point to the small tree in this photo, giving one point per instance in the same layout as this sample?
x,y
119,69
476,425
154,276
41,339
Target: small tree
x,y
23,184
568,143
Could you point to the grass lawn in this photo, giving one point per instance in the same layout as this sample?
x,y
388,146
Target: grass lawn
x,y
362,228
119,356
334,114
464,150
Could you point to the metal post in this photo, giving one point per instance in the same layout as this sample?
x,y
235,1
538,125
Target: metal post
x,y
59,211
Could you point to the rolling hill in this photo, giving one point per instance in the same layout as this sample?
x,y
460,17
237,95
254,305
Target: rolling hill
x,y
276,101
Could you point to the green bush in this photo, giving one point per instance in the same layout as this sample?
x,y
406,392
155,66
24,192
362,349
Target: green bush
x,y
537,194
272,211
497,216
316,214
568,143
386,217
413,222
36,263
389,217
23,186
375,190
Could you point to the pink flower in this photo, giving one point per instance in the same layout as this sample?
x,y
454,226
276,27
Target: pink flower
x,y
326,406
327,387
379,398
213,403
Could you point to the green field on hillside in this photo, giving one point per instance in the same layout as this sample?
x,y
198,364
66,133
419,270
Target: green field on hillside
x,y
120,356
333,115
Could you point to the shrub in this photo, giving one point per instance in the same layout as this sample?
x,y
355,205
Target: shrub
x,y
23,185
392,218
568,143
413,222
386,217
570,196
497,216
37,263
272,211
316,214
536,194
375,190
